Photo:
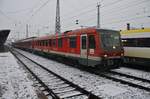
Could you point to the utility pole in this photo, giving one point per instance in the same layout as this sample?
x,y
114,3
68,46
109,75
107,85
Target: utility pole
x,y
57,23
98,15
27,27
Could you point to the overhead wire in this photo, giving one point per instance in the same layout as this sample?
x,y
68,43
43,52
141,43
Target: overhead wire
x,y
90,10
126,8
82,14
9,18
136,17
43,5
128,19
23,10
136,4
33,13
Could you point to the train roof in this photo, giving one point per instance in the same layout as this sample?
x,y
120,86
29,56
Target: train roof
x,y
70,32
26,39
73,33
136,33
45,37
88,30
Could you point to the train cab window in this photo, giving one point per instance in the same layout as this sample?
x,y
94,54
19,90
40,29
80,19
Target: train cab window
x,y
50,42
73,42
83,42
60,42
92,42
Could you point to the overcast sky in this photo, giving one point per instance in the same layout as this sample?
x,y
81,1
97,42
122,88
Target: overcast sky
x,y
40,15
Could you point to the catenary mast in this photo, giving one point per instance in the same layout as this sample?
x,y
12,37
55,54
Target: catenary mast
x,y
57,23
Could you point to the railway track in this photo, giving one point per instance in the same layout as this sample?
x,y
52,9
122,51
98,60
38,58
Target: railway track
x,y
128,79
52,84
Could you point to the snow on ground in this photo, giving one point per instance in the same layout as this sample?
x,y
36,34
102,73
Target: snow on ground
x,y
134,72
14,83
91,82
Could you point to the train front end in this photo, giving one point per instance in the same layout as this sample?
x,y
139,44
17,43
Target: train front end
x,y
111,48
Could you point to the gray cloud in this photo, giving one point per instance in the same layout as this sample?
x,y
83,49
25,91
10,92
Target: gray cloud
x,y
40,14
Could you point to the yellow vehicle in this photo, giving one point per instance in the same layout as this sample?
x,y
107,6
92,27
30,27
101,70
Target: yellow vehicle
x,y
136,46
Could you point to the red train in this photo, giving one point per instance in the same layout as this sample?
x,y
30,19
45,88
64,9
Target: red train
x,y
87,46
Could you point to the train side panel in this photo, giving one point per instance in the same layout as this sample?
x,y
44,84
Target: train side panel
x,y
84,46
136,46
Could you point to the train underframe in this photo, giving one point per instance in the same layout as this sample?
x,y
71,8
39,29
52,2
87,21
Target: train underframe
x,y
136,62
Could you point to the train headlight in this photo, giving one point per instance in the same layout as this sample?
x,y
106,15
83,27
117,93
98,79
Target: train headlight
x,y
122,54
105,55
114,47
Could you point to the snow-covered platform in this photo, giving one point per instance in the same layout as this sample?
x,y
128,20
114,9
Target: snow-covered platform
x,y
14,83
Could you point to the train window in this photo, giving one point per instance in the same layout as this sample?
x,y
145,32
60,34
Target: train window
x,y
136,42
54,42
129,42
50,42
46,42
42,43
91,42
72,42
83,42
144,42
60,42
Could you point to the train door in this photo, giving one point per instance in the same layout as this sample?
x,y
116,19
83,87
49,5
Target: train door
x,y
84,49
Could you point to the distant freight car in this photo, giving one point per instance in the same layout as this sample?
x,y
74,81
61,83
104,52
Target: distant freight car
x,y
136,46
86,46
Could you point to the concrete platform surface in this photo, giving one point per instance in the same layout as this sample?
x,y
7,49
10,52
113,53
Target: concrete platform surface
x,y
14,83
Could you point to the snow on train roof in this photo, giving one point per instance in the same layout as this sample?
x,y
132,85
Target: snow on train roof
x,y
70,32
26,39
44,37
137,33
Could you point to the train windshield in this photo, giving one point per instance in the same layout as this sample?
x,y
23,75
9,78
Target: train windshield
x,y
110,40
